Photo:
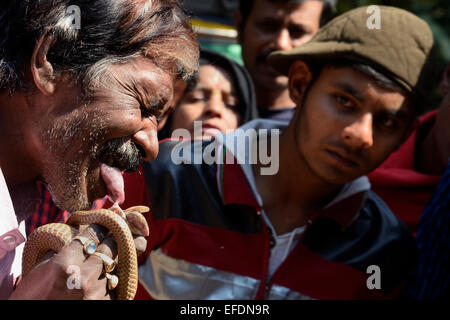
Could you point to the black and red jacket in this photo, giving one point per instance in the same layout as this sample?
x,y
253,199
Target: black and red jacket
x,y
209,241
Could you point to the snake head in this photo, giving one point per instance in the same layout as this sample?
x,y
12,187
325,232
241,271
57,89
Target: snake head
x,y
137,223
134,217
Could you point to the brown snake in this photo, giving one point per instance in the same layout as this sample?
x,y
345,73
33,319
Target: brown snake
x,y
54,236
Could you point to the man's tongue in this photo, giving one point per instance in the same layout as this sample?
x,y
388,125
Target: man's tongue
x,y
114,182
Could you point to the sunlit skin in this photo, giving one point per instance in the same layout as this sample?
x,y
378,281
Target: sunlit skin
x,y
213,101
345,127
52,132
273,26
62,144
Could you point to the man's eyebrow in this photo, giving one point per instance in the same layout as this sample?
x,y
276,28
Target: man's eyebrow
x,y
349,89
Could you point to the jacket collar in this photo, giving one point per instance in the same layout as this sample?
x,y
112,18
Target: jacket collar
x,y
236,189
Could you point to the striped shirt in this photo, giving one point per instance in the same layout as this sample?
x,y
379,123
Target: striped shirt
x,y
47,211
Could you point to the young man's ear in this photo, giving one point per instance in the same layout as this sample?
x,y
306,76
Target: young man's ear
x,y
300,77
41,69
445,82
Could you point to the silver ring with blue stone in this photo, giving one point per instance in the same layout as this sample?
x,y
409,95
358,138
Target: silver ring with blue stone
x,y
89,246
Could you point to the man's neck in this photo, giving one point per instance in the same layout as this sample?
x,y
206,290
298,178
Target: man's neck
x,y
24,197
273,99
17,138
295,193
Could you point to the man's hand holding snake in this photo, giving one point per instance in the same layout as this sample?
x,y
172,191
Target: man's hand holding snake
x,y
80,269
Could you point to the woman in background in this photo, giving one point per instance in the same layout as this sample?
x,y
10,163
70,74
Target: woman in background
x,y
221,97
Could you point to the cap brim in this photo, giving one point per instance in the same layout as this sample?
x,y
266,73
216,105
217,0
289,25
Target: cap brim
x,y
282,60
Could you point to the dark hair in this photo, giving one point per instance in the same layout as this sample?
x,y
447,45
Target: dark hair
x,y
110,32
328,11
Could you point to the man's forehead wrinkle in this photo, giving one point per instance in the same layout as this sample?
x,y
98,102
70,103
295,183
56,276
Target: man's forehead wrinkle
x,y
141,81
154,88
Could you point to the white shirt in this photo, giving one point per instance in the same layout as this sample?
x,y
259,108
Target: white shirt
x,y
12,241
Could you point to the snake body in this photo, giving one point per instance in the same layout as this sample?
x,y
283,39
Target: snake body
x,y
54,236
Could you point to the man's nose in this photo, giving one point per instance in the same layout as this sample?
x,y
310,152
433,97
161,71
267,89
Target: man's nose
x,y
359,134
283,40
147,139
214,105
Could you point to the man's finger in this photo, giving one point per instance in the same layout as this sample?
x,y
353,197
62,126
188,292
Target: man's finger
x,y
141,244
94,232
108,248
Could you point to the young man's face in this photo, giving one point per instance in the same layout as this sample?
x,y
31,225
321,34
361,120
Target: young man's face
x,y
348,124
272,26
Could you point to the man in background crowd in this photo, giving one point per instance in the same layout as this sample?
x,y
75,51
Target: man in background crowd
x,y
265,26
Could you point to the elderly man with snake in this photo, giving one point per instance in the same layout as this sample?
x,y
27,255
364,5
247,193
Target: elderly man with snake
x,y
82,86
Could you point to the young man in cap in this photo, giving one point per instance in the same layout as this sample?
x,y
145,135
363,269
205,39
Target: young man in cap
x,y
311,229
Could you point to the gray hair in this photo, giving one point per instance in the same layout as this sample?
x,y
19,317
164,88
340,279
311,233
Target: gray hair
x,y
111,31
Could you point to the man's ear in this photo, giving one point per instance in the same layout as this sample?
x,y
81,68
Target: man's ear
x,y
41,68
239,27
300,77
445,82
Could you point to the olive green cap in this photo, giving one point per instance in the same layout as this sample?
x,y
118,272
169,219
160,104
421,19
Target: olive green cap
x,y
402,48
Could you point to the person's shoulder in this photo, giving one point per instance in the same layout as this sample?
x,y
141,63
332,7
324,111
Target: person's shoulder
x,y
373,238
382,217
392,234
376,206
394,247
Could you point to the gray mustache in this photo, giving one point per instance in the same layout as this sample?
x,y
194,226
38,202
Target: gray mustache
x,y
121,153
